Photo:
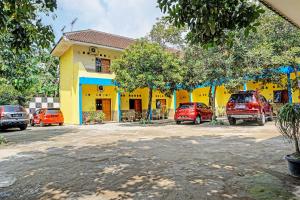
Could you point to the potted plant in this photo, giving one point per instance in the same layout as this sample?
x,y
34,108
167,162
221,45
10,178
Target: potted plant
x,y
288,123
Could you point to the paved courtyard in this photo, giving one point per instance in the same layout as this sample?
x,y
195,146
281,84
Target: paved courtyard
x,y
160,161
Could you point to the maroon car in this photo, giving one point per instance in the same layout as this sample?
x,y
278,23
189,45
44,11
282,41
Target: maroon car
x,y
248,105
196,112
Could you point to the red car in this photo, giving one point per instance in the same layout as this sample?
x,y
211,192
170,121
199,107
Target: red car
x,y
248,106
47,116
196,112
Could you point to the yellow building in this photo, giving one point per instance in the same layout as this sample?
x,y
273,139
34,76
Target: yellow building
x,y
86,82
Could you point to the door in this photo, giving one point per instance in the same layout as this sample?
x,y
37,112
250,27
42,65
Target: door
x,y
138,105
105,106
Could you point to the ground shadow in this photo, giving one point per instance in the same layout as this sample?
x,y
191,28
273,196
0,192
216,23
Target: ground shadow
x,y
33,134
198,167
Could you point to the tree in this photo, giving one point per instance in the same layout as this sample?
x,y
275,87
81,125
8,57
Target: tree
x,y
212,22
21,21
147,65
167,35
212,67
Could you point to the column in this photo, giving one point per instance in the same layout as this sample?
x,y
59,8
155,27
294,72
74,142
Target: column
x,y
289,85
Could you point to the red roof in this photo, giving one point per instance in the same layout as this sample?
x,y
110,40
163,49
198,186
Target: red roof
x,y
100,38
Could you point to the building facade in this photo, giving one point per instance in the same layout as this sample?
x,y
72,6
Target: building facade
x,y
86,83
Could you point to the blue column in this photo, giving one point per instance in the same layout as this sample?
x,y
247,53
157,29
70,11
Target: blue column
x,y
191,96
80,104
119,106
245,86
175,103
289,85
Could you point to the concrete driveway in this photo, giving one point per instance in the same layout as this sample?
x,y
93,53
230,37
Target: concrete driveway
x,y
160,161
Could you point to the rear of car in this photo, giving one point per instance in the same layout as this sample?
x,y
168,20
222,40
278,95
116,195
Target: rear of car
x,y
47,117
185,112
13,116
248,105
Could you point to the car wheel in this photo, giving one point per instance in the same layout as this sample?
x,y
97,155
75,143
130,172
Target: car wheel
x,y
42,124
197,120
262,120
23,127
178,122
232,121
61,124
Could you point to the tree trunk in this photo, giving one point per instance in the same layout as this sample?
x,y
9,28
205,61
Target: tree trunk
x,y
212,99
149,104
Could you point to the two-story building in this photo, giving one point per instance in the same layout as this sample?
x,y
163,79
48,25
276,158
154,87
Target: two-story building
x,y
86,81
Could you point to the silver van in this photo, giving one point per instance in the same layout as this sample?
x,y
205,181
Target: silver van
x,y
13,116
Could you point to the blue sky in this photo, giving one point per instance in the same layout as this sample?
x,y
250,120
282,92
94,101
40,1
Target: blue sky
x,y
131,18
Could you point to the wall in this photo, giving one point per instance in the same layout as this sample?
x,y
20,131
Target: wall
x,y
182,96
201,95
296,92
90,93
66,84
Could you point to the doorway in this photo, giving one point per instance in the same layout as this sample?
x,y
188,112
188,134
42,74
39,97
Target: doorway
x,y
136,106
104,105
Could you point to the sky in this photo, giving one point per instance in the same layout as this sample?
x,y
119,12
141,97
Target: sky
x,y
131,18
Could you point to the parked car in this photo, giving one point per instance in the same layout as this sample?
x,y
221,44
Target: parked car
x,y
13,116
47,116
249,106
196,112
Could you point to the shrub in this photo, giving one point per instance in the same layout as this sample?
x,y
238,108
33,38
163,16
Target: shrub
x,y
99,116
3,140
288,123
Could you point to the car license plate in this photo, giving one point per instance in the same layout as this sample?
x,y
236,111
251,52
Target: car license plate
x,y
16,115
240,106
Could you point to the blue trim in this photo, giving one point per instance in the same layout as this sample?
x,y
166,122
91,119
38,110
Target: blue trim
x,y
119,106
175,100
245,86
96,81
80,104
289,88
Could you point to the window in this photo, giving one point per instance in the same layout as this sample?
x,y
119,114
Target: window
x,y
186,105
281,96
241,98
99,104
102,65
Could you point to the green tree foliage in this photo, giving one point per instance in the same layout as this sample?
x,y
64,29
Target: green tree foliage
x,y
147,65
212,21
167,35
21,21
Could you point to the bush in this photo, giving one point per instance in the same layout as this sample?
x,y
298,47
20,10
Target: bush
x,y
94,117
3,140
288,123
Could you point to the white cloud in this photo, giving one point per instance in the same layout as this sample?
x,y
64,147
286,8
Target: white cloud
x,y
132,18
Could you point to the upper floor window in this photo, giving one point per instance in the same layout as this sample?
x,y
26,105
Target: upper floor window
x,y
102,65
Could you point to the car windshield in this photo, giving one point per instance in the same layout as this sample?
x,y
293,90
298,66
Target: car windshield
x,y
186,105
53,111
241,98
14,109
